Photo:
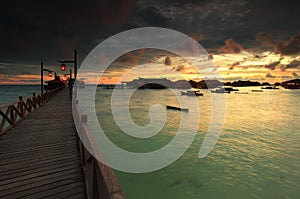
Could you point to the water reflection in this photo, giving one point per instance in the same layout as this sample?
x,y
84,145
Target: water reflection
x,y
257,155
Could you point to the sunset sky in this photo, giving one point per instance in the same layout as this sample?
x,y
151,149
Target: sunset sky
x,y
255,40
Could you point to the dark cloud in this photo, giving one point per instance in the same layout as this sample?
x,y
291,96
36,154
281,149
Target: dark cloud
x,y
272,66
66,45
115,12
50,30
265,39
295,75
168,61
293,64
286,77
137,57
34,30
289,47
231,47
180,68
152,15
197,37
233,65
130,58
269,75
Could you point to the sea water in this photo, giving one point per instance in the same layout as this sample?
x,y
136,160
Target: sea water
x,y
256,156
11,93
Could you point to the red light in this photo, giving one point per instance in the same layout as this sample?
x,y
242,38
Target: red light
x,y
50,74
63,67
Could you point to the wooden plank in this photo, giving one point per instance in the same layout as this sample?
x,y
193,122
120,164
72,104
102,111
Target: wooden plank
x,y
39,149
71,190
36,169
19,167
45,172
40,156
39,188
68,145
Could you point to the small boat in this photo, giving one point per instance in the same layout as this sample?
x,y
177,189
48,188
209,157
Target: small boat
x,y
177,108
219,90
230,89
241,92
192,93
270,87
257,91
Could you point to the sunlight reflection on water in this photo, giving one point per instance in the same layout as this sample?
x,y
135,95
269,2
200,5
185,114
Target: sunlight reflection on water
x,y
257,155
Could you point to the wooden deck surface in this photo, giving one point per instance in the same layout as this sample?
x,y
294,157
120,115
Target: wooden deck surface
x,y
39,157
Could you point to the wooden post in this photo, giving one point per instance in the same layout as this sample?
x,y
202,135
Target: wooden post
x,y
70,83
83,118
21,106
42,77
70,74
75,63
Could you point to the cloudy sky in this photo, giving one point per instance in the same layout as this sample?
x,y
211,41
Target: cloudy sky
x,y
249,39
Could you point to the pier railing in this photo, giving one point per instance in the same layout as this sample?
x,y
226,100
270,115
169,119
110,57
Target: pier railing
x,y
13,113
101,181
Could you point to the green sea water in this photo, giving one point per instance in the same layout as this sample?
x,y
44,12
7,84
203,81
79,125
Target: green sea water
x,y
256,156
11,93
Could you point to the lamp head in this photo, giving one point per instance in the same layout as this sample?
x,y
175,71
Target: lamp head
x,y
63,67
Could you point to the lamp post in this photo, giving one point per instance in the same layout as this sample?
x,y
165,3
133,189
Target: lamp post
x,y
63,66
42,76
70,81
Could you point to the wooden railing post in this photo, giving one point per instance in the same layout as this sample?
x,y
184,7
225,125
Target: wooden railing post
x,y
88,161
101,181
21,107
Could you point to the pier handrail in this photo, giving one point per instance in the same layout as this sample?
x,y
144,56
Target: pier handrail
x,y
100,179
13,113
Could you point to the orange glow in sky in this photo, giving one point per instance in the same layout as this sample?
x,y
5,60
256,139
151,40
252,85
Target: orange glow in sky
x,y
246,65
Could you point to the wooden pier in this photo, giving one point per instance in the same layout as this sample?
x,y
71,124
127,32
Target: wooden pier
x,y
42,157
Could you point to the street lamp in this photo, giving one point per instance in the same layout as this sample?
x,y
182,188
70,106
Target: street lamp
x,y
50,74
63,66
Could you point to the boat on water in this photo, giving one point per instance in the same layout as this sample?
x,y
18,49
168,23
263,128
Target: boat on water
x,y
192,93
177,108
223,90
270,87
241,92
218,90
230,89
257,91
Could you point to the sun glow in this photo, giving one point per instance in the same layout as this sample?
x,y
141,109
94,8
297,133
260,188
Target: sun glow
x,y
249,64
246,65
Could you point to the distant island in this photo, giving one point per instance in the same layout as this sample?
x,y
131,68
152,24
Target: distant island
x,y
162,83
